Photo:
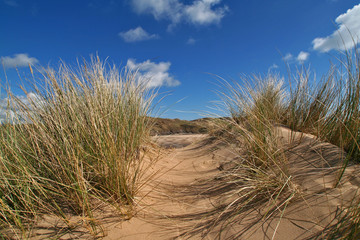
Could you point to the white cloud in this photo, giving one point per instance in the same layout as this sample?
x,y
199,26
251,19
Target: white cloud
x,y
288,57
8,112
347,34
18,60
272,67
191,41
200,12
11,3
136,35
158,8
302,57
155,73
6,116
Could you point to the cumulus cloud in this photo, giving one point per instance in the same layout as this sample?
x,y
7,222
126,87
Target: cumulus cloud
x,y
347,34
18,60
156,74
158,8
302,57
136,35
199,12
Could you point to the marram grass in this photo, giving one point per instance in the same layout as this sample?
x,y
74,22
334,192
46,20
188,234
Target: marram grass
x,y
328,108
77,140
258,177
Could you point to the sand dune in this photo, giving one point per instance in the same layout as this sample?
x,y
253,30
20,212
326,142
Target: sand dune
x,y
314,166
172,205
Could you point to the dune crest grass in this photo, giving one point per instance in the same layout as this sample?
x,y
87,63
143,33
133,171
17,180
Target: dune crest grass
x,y
77,141
328,108
259,176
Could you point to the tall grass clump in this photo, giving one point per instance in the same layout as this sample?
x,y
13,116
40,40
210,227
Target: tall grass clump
x,y
78,140
255,105
335,103
329,108
259,175
343,124
310,101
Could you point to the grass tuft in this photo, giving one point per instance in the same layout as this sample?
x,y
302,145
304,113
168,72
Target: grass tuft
x,y
77,140
258,177
328,109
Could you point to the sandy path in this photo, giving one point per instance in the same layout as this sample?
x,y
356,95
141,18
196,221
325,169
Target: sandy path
x,y
186,159
192,157
183,162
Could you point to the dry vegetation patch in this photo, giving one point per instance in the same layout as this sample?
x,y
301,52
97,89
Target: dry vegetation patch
x,y
164,126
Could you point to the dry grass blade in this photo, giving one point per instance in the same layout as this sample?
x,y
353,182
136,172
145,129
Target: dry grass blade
x,y
79,138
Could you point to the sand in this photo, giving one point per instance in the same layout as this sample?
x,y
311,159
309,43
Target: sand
x,y
171,205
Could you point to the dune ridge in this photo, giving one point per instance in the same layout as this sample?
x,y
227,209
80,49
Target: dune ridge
x,y
172,206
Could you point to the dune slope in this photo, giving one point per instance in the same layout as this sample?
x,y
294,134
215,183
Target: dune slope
x,y
173,205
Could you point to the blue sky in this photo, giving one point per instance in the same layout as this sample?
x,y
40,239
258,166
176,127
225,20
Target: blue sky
x,y
177,42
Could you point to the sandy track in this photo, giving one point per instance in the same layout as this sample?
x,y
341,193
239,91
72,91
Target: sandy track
x,y
182,163
171,204
194,157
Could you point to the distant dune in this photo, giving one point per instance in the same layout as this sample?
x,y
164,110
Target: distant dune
x,y
165,126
